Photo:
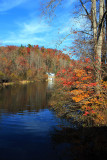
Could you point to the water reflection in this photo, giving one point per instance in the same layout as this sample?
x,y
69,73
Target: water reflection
x,y
24,97
29,130
81,143
26,123
50,84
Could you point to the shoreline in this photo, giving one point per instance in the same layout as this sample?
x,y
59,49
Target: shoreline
x,y
17,82
4,84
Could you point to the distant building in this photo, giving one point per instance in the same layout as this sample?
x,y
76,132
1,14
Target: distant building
x,y
51,76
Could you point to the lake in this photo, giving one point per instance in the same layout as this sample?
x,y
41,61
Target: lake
x,y
29,130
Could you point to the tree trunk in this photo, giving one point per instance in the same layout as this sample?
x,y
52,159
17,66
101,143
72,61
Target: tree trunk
x,y
106,29
100,33
100,42
104,46
94,22
98,39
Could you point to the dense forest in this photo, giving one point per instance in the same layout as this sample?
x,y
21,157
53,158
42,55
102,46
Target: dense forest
x,y
30,63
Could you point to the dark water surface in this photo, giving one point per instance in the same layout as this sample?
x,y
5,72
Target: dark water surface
x,y
29,130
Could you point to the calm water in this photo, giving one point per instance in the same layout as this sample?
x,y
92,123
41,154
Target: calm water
x,y
29,130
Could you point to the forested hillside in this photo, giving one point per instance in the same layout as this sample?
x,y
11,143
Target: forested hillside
x,y
30,63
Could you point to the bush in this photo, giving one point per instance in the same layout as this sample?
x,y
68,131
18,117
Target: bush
x,y
14,77
2,75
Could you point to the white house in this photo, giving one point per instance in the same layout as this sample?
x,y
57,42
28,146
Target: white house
x,y
51,76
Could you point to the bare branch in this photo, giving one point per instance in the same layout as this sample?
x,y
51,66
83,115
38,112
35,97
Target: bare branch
x,y
101,24
86,10
49,7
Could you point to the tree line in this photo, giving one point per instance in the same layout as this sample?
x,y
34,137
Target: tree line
x,y
30,63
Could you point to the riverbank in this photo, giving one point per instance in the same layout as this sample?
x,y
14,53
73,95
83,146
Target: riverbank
x,y
4,84
65,107
73,113
16,82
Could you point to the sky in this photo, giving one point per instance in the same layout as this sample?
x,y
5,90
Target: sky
x,y
22,22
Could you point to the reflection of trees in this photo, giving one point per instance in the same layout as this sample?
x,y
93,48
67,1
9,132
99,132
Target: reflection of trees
x,y
23,97
81,144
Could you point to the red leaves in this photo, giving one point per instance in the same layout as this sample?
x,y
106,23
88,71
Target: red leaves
x,y
63,71
75,74
22,51
75,32
92,84
88,67
67,83
89,112
28,50
36,47
22,61
10,48
86,113
93,112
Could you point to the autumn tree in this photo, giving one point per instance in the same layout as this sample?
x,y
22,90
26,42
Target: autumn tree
x,y
96,13
98,28
81,83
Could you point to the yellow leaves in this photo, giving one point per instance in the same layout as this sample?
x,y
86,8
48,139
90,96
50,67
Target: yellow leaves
x,y
97,101
14,77
76,92
99,119
80,97
1,74
86,78
104,83
92,104
79,72
87,102
86,107
78,82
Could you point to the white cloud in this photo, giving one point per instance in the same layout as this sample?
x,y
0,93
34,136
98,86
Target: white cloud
x,y
24,41
33,32
79,23
35,27
36,31
9,4
70,2
65,30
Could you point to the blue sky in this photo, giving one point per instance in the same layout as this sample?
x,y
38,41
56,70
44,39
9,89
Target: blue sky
x,y
21,23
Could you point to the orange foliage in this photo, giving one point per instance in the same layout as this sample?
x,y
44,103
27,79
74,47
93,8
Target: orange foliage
x,y
81,85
